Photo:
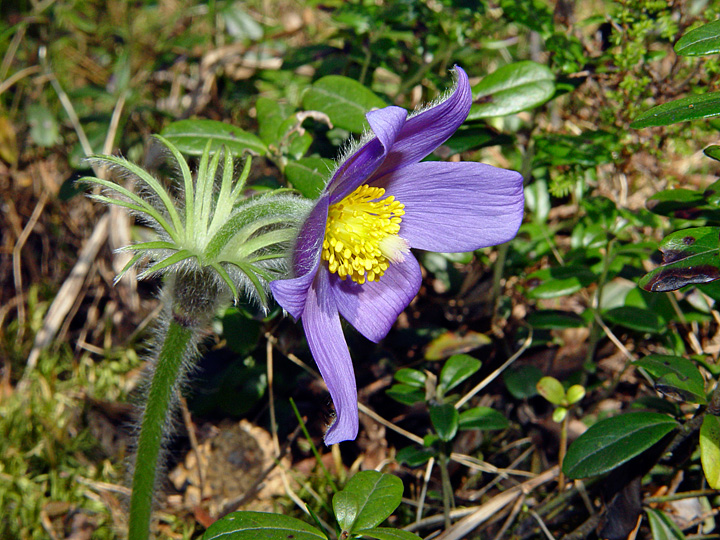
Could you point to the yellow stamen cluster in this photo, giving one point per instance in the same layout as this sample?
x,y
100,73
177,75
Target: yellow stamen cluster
x,y
361,235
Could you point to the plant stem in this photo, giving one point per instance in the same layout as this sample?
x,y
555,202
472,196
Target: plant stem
x,y
167,371
562,451
447,489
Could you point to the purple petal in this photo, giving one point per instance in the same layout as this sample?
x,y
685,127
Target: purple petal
x,y
327,344
456,206
308,245
291,293
386,124
373,306
424,132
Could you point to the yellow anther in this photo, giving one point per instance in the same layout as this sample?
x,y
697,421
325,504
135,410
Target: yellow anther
x,y
361,235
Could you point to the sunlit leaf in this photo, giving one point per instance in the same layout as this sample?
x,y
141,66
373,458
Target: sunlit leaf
x,y
445,419
457,368
662,527
191,136
451,343
484,418
254,525
675,376
344,100
368,499
511,89
680,110
309,175
700,41
710,449
635,318
551,389
690,256
611,442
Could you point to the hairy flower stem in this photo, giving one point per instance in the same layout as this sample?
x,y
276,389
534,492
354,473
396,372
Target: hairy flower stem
x,y
169,367
192,299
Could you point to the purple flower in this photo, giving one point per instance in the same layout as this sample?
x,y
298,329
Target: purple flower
x,y
352,255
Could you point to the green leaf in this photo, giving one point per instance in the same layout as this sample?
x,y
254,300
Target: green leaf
x,y
575,393
367,500
662,527
552,390
635,318
710,449
484,418
191,136
561,281
411,377
44,128
458,368
511,89
445,419
675,376
406,394
414,456
450,343
344,100
522,382
690,257
551,319
669,201
680,110
270,116
471,138
309,175
385,533
261,526
700,41
611,442
713,151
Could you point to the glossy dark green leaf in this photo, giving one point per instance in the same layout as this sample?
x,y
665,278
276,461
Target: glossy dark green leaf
x,y
522,381
406,394
675,376
611,442
690,257
662,527
309,175
344,100
484,418
680,110
635,318
710,449
414,456
411,377
261,526
457,368
700,41
386,533
368,499
669,201
560,281
713,152
191,136
445,419
551,319
511,89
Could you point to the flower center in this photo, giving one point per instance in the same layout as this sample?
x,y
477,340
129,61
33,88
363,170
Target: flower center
x,y
361,235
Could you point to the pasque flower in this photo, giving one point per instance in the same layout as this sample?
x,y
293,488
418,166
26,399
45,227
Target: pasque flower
x,y
352,254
